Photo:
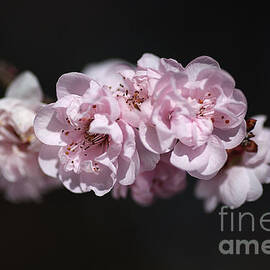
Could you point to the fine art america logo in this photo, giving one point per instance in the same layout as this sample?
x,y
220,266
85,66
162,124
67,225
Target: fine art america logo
x,y
235,222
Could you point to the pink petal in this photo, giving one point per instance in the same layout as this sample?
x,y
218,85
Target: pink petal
x,y
255,187
231,137
199,64
149,60
72,83
48,160
170,65
203,162
235,186
47,127
25,87
148,159
128,169
71,181
151,140
101,182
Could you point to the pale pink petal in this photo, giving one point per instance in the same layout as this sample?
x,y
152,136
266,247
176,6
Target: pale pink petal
x,y
72,83
128,169
170,65
151,140
149,60
25,87
203,162
197,65
231,137
148,159
128,162
71,181
101,182
48,160
255,187
48,127
235,186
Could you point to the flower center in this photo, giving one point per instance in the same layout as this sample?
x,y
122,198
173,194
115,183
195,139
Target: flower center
x,y
133,99
206,106
82,140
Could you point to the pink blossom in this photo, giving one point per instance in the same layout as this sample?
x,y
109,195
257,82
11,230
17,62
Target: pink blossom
x,y
20,175
85,143
133,86
164,182
199,114
242,178
124,79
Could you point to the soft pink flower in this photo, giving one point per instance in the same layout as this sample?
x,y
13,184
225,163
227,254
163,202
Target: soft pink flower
x,y
123,80
242,178
133,86
85,143
20,174
198,108
164,181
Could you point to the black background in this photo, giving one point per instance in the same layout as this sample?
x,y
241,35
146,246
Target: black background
x,y
87,232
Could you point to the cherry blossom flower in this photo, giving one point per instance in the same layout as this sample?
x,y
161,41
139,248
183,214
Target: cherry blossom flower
x,y
133,86
241,179
20,175
125,82
199,114
85,143
163,182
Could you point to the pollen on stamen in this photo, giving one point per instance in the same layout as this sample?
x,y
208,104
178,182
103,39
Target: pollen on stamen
x,y
66,133
67,153
227,121
94,106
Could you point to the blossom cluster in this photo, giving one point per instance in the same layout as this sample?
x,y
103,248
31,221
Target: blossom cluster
x,y
117,127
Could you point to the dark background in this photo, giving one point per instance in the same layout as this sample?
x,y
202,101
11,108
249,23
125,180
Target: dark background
x,y
87,232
